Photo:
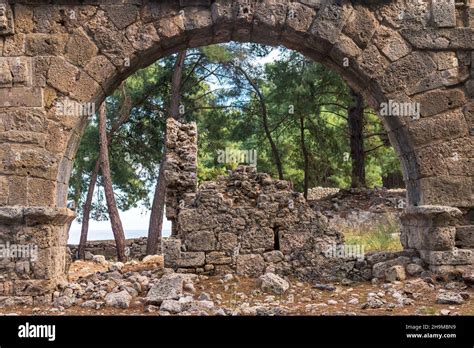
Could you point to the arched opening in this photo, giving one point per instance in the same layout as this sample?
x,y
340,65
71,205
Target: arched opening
x,y
251,101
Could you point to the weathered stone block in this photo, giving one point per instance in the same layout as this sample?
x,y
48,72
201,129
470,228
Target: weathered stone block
x,y
465,236
100,69
41,192
18,190
441,126
263,238
222,17
24,160
191,259
4,190
21,96
330,20
200,241
80,48
407,71
361,26
22,119
170,30
142,36
447,190
299,20
380,268
45,44
6,19
111,42
372,62
438,101
268,21
251,265
395,273
274,256
218,258
444,13
23,18
391,44
452,257
227,241
14,45
122,15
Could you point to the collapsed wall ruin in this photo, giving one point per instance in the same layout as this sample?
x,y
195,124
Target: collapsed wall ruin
x,y
244,223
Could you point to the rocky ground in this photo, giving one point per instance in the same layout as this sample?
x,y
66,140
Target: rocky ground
x,y
146,288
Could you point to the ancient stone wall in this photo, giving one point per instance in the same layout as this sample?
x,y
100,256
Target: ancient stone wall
x,y
247,223
135,248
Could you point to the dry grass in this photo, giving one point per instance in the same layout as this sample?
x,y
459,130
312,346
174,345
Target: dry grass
x,y
381,237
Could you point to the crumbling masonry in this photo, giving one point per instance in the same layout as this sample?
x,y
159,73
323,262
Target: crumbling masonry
x,y
243,223
56,53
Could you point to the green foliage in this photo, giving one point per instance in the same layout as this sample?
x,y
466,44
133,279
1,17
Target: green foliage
x,y
217,95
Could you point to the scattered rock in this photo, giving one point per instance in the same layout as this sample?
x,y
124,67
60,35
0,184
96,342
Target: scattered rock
x,y
169,287
92,304
373,302
449,297
116,266
325,287
413,269
88,256
395,273
273,283
204,296
171,306
353,301
118,299
154,259
100,259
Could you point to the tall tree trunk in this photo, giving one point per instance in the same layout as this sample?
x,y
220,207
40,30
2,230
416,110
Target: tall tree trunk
x,y
266,127
114,216
86,210
158,206
356,131
304,149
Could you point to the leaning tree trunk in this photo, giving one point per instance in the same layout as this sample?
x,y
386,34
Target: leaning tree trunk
x,y
305,152
86,210
114,216
356,131
158,206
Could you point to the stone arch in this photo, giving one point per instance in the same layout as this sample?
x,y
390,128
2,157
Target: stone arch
x,y
401,51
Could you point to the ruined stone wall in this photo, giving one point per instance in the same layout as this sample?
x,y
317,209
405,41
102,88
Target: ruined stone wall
x,y
135,248
247,223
